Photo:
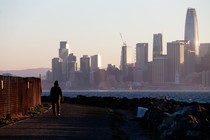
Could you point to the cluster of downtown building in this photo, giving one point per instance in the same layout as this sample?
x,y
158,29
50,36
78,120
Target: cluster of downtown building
x,y
65,69
186,63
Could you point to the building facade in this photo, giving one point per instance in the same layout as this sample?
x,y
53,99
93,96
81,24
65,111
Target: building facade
x,y
126,61
204,49
71,69
160,70
95,62
175,53
141,55
141,61
157,45
85,64
57,69
64,52
190,59
85,70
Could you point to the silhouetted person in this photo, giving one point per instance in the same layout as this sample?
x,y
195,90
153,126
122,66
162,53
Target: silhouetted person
x,y
56,96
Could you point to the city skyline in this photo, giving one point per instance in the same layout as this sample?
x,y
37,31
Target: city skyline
x,y
31,30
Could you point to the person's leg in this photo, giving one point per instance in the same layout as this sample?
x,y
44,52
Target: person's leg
x,y
53,108
58,107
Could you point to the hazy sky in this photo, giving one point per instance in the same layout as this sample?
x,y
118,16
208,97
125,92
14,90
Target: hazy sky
x,y
30,30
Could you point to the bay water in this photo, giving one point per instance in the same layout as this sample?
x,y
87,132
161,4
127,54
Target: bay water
x,y
202,96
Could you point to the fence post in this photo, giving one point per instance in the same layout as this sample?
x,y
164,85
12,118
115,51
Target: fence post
x,y
9,87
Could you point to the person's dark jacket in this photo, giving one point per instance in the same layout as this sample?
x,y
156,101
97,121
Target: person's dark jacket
x,y
55,92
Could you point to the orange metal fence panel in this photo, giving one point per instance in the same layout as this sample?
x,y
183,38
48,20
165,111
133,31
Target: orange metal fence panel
x,y
18,94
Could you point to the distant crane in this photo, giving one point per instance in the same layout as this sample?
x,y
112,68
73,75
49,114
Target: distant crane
x,y
124,43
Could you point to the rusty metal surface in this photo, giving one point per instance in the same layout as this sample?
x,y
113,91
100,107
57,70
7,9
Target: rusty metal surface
x,y
18,94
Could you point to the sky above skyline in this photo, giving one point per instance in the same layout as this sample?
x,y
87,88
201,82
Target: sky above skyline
x,y
30,30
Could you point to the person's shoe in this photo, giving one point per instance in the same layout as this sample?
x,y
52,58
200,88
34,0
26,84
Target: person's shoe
x,y
59,114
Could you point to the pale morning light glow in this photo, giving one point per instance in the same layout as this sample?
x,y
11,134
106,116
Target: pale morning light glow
x,y
32,30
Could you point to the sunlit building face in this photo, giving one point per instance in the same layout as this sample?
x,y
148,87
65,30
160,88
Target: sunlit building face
x,y
191,30
95,62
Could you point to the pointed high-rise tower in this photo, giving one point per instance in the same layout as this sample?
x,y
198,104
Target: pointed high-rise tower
x,y
191,31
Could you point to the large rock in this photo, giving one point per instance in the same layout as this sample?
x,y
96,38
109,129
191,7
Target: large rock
x,y
153,118
188,123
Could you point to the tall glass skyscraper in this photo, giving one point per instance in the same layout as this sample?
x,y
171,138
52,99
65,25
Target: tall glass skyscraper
x,y
126,56
191,31
126,62
95,62
175,53
64,51
157,45
141,55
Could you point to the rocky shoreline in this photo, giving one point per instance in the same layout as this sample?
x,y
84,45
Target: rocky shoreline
x,y
164,119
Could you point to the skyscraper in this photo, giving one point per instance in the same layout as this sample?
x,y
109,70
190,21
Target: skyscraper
x,y
71,67
141,61
126,61
191,31
157,45
126,56
160,70
95,62
141,55
64,50
85,70
85,64
63,54
95,69
57,69
175,52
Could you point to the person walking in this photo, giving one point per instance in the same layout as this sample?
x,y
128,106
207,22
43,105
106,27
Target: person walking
x,y
56,96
